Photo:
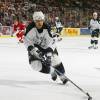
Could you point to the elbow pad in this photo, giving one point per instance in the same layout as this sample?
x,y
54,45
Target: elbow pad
x,y
30,48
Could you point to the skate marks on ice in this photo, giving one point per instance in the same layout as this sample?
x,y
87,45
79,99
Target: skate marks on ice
x,y
97,68
9,43
42,88
23,84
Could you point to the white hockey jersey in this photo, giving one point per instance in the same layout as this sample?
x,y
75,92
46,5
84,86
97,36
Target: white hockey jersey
x,y
40,37
94,24
58,24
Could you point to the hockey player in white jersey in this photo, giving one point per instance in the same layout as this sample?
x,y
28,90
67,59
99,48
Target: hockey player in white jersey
x,y
40,46
59,28
59,25
94,28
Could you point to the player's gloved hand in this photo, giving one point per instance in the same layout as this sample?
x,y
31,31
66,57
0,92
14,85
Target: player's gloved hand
x,y
35,52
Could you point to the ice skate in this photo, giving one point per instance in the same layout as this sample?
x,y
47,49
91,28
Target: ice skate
x,y
95,47
91,47
63,79
53,76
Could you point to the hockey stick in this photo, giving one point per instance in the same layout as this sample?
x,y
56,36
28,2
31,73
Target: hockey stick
x,y
86,93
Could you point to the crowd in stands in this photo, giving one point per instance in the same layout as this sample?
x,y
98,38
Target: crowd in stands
x,y
73,13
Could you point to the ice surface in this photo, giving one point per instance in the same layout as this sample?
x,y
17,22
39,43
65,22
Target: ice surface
x,y
19,82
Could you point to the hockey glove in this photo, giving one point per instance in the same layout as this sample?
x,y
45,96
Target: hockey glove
x,y
35,52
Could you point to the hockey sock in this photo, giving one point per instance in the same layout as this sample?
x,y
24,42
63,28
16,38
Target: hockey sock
x,y
92,41
96,42
60,68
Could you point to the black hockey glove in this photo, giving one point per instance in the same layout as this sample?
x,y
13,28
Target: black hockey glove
x,y
35,52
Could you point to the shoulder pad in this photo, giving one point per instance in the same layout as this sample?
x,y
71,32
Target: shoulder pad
x,y
29,27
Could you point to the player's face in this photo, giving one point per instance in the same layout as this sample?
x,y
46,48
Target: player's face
x,y
95,16
39,23
16,22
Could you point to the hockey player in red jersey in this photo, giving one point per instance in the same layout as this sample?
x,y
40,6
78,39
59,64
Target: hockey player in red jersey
x,y
19,29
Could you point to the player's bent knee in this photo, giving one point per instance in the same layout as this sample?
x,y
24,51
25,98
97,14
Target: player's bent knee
x,y
36,65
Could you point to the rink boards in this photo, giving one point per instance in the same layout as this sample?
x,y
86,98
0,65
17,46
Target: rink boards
x,y
8,31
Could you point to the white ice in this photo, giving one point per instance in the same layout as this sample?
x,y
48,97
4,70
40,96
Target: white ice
x,y
19,82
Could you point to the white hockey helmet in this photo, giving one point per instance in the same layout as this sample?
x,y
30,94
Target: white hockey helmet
x,y
56,18
38,16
